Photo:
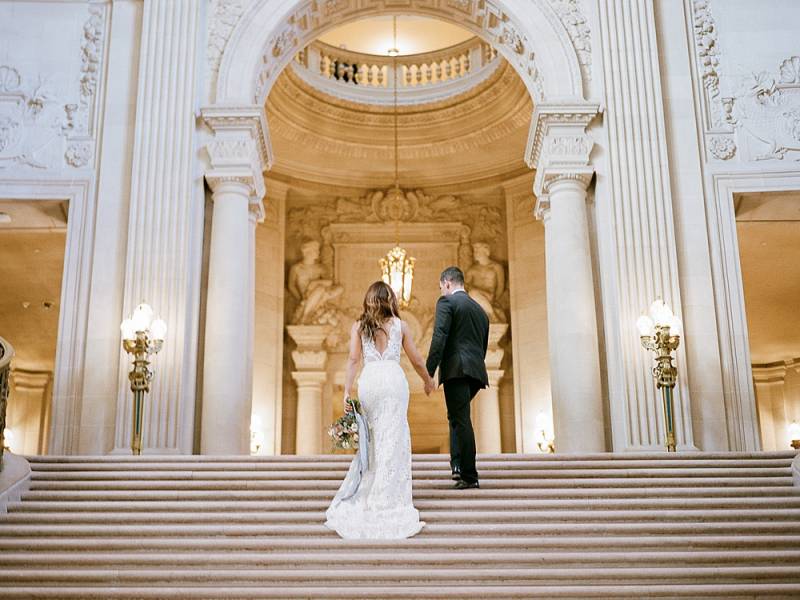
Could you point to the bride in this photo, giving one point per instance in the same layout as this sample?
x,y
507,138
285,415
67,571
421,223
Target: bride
x,y
381,506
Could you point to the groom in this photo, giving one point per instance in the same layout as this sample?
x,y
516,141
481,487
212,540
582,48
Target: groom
x,y
458,349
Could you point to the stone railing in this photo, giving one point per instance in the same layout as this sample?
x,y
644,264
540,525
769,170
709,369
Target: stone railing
x,y
6,354
358,76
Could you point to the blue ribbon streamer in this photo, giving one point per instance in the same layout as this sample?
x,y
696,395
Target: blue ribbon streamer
x,y
362,457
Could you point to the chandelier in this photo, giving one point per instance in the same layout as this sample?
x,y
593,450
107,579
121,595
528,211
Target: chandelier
x,y
397,266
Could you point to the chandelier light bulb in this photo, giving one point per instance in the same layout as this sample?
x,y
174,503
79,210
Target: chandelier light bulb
x,y
645,326
675,326
660,313
794,430
142,317
158,330
128,330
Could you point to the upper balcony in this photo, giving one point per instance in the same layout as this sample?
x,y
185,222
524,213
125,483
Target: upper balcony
x,y
421,78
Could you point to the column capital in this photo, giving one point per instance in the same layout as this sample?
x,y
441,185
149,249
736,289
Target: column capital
x,y
558,144
550,178
240,150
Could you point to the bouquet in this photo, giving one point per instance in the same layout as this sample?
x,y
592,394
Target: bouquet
x,y
344,431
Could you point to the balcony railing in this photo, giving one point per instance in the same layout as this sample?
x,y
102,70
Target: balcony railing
x,y
6,354
371,77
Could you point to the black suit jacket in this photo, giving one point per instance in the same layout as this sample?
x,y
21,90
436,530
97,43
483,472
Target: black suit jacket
x,y
460,339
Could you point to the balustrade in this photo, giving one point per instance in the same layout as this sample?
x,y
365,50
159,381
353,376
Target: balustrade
x,y
415,70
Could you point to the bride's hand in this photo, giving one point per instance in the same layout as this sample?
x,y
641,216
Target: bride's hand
x,y
430,385
348,408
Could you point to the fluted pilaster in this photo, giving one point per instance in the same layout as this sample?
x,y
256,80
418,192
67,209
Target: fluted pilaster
x,y
165,223
638,245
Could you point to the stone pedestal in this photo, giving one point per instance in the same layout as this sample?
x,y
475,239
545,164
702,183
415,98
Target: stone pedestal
x,y
486,405
309,358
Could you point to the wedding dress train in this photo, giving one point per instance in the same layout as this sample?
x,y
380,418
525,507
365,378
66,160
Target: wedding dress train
x,y
382,506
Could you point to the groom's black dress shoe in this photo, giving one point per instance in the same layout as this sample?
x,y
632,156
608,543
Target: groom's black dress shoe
x,y
463,485
456,473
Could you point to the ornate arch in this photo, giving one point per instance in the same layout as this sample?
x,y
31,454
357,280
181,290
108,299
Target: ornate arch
x,y
546,41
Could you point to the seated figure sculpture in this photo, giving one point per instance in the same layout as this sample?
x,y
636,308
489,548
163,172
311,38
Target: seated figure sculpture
x,y
309,285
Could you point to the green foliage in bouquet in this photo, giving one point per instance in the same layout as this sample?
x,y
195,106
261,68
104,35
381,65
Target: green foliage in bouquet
x,y
344,431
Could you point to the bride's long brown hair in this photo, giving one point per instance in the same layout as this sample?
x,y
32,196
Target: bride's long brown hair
x,y
380,304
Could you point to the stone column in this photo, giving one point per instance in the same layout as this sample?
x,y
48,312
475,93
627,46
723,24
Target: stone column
x,y
487,403
309,358
770,385
236,155
560,151
165,225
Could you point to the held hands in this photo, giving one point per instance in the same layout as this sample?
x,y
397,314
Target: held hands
x,y
430,385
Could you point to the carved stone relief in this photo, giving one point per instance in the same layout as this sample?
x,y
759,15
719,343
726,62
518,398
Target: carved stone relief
x,y
579,33
38,129
471,227
765,113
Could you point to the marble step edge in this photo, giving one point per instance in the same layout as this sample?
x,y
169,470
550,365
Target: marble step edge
x,y
735,591
475,529
442,482
268,474
347,558
443,458
421,544
509,515
442,494
428,575
466,504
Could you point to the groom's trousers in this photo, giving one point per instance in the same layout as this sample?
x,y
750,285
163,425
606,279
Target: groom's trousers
x,y
458,394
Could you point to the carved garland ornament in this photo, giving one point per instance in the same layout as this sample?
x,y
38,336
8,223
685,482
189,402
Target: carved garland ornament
x,y
579,33
705,36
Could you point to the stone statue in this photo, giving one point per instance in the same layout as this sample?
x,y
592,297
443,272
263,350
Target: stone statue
x,y
465,258
486,281
316,293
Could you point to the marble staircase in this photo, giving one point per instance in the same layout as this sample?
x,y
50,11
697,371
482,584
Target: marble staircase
x,y
543,526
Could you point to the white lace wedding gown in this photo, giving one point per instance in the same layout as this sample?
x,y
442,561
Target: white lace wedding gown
x,y
382,508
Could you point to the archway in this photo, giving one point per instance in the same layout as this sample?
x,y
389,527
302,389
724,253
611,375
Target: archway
x,y
550,52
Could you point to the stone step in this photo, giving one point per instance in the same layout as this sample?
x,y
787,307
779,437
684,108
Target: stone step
x,y
421,543
569,527
665,516
444,493
735,591
470,504
395,558
649,457
418,473
439,483
344,574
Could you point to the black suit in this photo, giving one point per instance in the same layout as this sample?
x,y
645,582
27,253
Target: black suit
x,y
458,349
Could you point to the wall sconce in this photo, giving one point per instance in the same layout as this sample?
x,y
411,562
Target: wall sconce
x,y
141,337
545,436
660,332
794,435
